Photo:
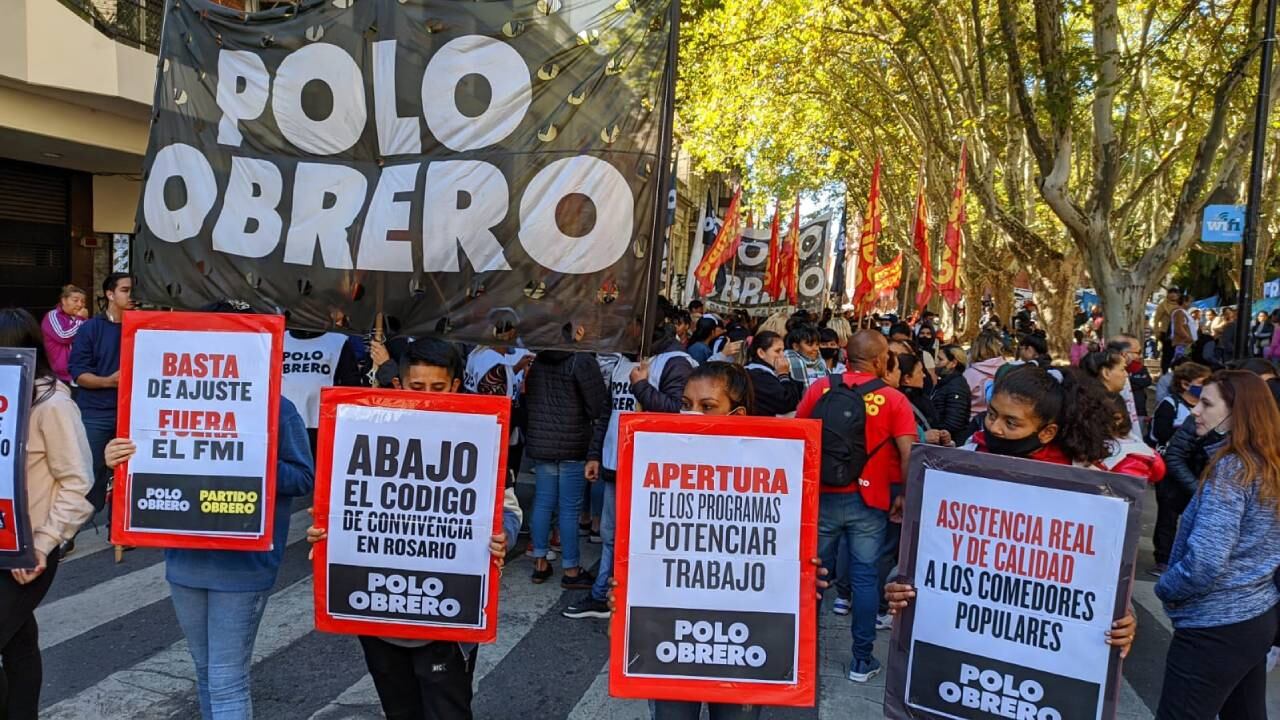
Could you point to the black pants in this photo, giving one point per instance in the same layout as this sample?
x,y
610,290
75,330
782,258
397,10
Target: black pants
x,y
431,682
1171,500
1166,354
1218,671
20,643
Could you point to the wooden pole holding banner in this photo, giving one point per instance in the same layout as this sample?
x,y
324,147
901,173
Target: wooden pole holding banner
x,y
664,171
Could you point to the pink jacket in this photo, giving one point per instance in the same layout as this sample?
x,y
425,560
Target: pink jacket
x,y
979,375
59,333
1078,351
1273,350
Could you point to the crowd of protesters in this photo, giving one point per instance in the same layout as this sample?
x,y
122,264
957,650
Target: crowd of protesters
x,y
1205,433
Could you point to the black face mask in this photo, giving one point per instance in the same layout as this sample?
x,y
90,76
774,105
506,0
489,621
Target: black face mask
x,y
1014,448
829,353
926,343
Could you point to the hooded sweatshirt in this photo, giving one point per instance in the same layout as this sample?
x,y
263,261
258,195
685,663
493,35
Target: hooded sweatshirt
x,y
979,375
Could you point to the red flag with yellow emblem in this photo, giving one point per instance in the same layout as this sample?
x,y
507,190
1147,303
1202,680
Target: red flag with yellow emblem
x,y
863,293
725,245
920,238
773,268
953,241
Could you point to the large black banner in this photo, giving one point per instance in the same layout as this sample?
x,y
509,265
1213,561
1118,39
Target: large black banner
x,y
440,162
741,285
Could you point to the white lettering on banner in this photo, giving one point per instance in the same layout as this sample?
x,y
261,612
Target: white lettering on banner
x,y
377,251
396,135
336,70
238,68
326,201
463,200
249,225
179,161
548,244
446,224
510,92
705,643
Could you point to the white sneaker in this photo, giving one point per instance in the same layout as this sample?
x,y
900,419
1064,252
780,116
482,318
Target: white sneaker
x,y
551,555
884,622
842,606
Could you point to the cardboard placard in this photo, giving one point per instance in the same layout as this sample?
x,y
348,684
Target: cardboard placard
x,y
409,487
200,397
717,524
1019,567
17,373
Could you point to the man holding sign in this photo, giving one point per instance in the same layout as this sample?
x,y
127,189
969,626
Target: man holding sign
x,y
406,513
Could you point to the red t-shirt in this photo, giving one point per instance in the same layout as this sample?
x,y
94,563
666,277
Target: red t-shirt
x,y
889,416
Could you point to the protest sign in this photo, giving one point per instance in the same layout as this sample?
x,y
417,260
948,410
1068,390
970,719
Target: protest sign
x,y
17,372
200,397
717,523
429,161
743,285
409,487
1020,567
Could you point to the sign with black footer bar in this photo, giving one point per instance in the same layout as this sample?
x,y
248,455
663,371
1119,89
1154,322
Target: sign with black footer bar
x,y
973,688
200,398
194,503
409,489
1020,567
717,524
17,375
683,642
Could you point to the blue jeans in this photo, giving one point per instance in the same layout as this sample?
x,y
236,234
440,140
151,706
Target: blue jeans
x,y
608,515
675,710
220,628
99,431
863,528
558,484
595,493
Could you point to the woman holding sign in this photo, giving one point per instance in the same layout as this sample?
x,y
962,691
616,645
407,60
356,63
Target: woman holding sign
x,y
59,474
1053,416
1220,590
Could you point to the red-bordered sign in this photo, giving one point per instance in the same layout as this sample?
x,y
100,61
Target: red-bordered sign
x,y
738,483
372,580
196,481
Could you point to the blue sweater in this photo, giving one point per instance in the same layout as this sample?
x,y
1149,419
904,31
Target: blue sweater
x,y
239,571
1225,555
96,350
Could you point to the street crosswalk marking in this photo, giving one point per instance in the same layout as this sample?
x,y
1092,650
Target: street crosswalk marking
x,y
69,617
520,606
145,690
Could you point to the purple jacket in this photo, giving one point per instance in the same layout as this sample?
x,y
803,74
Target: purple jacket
x,y
59,332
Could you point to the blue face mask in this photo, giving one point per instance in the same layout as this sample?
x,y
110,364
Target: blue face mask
x,y
1195,390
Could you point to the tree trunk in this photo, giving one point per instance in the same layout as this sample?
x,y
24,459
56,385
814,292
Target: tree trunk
x,y
1002,296
1124,300
1055,289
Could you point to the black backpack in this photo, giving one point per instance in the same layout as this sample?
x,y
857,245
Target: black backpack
x,y
843,413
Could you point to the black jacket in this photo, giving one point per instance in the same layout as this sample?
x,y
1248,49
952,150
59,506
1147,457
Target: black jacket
x,y
567,404
1185,457
951,400
774,395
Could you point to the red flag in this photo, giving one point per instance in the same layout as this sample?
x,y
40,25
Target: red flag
x,y
953,240
773,268
792,268
920,238
871,226
726,244
886,278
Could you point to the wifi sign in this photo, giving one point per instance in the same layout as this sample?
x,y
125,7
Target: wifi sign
x,y
1222,224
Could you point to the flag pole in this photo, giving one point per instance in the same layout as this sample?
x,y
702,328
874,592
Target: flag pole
x,y
664,170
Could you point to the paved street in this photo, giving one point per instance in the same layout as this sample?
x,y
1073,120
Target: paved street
x,y
113,649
